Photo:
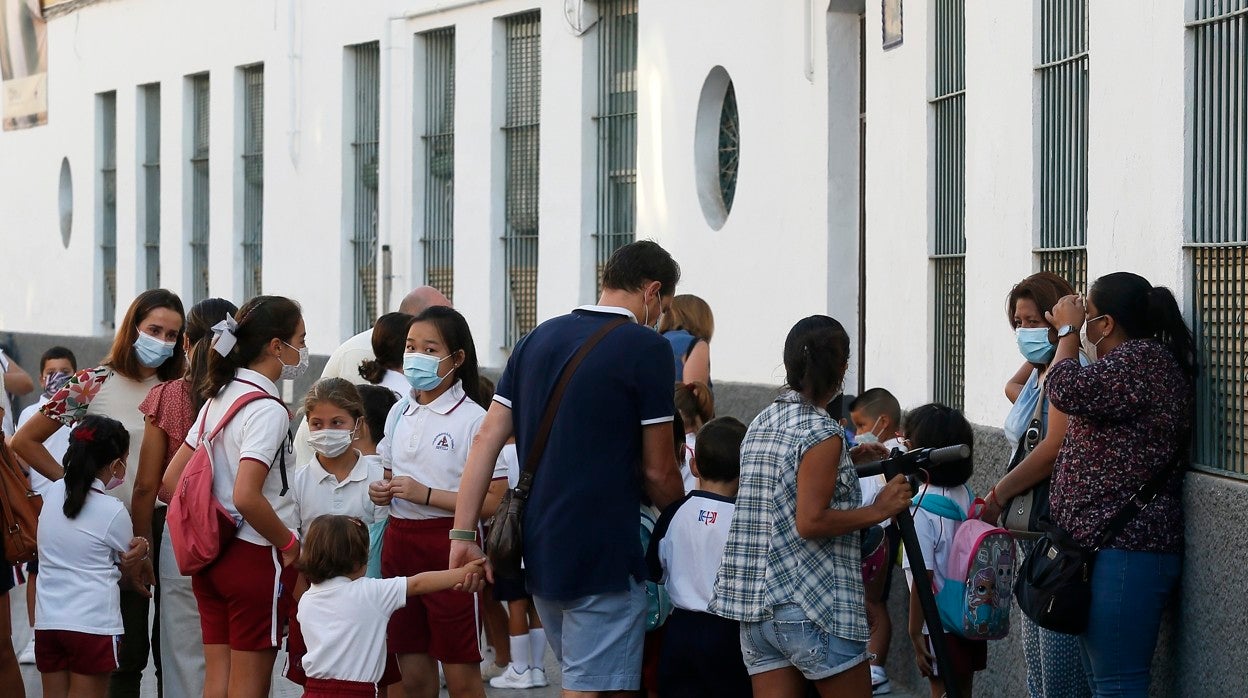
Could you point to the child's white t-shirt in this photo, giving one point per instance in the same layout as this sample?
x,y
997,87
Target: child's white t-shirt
x,y
686,465
344,626
56,444
317,492
77,572
691,543
871,486
935,533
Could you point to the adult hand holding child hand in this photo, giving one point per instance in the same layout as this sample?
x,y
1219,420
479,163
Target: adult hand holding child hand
x,y
473,575
380,493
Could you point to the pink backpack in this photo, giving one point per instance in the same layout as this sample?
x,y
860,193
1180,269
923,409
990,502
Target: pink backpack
x,y
200,526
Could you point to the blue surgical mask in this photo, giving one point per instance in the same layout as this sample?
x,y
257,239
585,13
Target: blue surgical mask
x,y
421,370
1034,344
151,351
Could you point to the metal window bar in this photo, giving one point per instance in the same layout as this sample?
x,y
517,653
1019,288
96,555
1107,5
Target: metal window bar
x,y
439,139
253,180
108,205
522,135
364,149
1063,73
1219,232
949,204
199,187
151,185
617,130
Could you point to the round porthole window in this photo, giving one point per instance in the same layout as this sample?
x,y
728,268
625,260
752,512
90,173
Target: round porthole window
x,y
717,147
65,202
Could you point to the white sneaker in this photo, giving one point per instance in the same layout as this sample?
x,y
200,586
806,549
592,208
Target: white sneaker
x,y
28,653
539,677
441,676
489,669
513,678
879,681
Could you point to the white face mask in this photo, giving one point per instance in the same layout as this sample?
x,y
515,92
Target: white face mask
x,y
1089,347
293,371
331,443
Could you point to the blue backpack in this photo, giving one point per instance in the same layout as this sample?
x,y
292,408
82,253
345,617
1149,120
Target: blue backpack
x,y
976,588
377,530
658,604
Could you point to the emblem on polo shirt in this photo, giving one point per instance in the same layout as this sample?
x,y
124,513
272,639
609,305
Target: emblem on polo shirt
x,y
707,517
444,442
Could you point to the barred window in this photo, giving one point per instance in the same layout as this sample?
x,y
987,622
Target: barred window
x,y
617,129
106,115
522,135
439,139
1218,240
149,206
199,187
253,179
949,199
1063,134
364,114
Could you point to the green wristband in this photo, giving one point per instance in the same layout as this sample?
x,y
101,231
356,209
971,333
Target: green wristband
x,y
463,534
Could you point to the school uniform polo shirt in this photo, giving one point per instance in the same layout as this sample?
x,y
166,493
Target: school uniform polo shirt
x,y
344,626
318,492
581,528
688,543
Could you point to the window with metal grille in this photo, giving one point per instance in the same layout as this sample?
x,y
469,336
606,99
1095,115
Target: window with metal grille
x,y
253,180
439,138
199,187
365,115
1063,126
949,204
150,208
108,205
1219,231
617,129
523,112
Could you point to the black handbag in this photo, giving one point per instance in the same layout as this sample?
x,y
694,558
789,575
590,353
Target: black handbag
x,y
1054,585
504,544
1027,515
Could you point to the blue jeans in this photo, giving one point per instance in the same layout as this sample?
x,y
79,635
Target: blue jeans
x,y
1129,591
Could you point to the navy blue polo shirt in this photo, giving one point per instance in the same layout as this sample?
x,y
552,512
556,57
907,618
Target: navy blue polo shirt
x,y
581,525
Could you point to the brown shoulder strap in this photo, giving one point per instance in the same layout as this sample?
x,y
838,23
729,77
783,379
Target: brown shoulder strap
x,y
556,396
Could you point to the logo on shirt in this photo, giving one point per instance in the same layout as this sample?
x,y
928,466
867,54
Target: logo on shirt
x,y
707,517
443,442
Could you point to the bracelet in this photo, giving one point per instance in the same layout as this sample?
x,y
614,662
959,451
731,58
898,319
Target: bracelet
x,y
992,497
428,494
463,534
293,539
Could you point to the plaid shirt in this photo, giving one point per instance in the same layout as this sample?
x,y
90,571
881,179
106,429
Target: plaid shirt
x,y
765,562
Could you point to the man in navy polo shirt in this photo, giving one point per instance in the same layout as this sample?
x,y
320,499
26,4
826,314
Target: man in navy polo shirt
x,y
611,442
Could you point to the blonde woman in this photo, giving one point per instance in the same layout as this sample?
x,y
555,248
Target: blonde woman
x,y
688,325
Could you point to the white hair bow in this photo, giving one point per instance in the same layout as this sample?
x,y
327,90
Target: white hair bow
x,y
225,339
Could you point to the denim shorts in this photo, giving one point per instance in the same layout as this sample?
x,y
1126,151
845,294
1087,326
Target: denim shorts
x,y
789,638
597,639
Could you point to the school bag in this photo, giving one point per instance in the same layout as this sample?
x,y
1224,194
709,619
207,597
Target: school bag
x,y
19,510
975,590
200,526
658,604
377,529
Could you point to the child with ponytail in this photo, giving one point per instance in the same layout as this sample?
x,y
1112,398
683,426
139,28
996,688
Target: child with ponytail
x,y
83,536
696,406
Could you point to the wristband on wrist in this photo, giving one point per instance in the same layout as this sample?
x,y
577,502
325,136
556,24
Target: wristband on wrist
x,y
290,544
428,494
992,497
463,534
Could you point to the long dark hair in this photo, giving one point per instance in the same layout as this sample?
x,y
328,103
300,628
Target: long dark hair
x,y
1146,311
456,335
95,442
122,357
260,320
199,322
816,355
389,340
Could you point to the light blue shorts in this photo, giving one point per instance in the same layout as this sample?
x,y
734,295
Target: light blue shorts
x,y
597,639
789,638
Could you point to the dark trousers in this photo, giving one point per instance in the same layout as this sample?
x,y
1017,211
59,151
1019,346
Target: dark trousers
x,y
135,645
702,657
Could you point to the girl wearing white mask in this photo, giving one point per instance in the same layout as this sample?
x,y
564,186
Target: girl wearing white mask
x,y
147,350
426,450
244,596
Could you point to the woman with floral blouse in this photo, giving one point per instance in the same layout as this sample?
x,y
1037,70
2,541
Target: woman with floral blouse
x,y
1130,419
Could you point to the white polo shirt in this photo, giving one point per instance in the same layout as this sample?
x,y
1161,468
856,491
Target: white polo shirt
x,y
77,573
256,432
316,492
344,626
430,445
691,545
686,465
56,444
397,383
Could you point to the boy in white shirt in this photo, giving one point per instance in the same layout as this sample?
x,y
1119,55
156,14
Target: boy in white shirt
x,y
701,653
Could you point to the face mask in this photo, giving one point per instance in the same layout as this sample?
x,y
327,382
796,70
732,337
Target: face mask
x,y
54,382
331,443
1033,344
1089,347
151,351
114,482
869,436
293,371
421,370
646,305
